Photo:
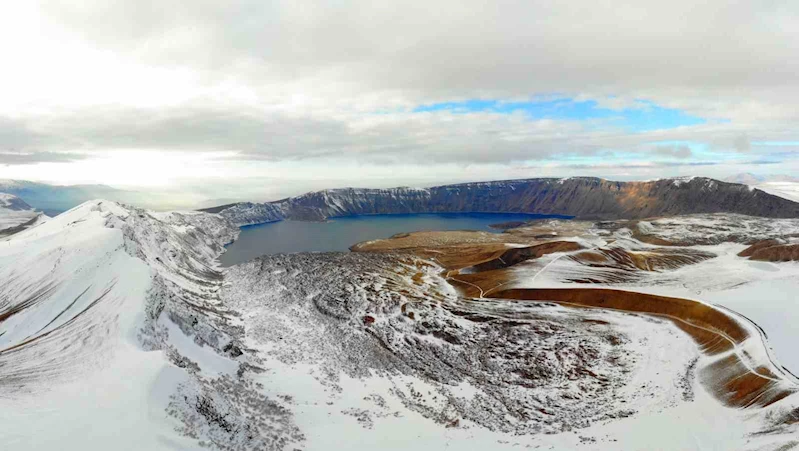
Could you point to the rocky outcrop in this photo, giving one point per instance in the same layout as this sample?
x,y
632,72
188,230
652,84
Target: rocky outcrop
x,y
516,255
581,197
772,251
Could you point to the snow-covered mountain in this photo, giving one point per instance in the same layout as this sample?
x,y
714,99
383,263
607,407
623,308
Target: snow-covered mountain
x,y
16,215
98,306
118,330
582,197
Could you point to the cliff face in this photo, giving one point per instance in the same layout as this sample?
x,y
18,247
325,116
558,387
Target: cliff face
x,y
581,197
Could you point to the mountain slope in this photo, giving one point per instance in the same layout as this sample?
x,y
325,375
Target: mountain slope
x,y
581,197
112,332
16,215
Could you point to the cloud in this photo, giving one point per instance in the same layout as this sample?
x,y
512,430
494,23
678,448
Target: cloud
x,y
443,136
16,158
299,81
16,134
742,144
679,151
635,165
502,49
260,135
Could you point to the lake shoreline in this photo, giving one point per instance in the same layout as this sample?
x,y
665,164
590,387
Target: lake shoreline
x,y
337,234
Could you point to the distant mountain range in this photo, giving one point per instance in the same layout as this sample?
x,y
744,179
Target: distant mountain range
x,y
581,197
55,199
16,215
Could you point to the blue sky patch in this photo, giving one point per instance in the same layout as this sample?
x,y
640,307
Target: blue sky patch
x,y
776,143
646,116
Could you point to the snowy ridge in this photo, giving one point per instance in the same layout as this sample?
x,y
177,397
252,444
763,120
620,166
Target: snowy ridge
x,y
677,181
108,305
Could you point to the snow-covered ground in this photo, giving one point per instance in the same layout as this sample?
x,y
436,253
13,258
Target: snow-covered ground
x,y
88,306
764,292
72,371
119,331
353,393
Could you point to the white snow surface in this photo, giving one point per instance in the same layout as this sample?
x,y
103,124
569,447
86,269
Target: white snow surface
x,y
119,331
88,361
761,291
86,374
376,403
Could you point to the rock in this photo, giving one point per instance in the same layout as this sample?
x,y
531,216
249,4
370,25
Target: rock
x,y
763,244
772,251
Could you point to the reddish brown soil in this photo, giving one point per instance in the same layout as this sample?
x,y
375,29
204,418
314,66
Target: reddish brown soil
x,y
650,260
478,284
484,270
517,255
771,251
714,331
757,246
649,239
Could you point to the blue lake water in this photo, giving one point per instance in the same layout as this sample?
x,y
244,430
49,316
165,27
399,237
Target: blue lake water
x,y
339,234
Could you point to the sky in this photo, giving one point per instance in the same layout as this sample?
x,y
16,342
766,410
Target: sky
x,y
259,100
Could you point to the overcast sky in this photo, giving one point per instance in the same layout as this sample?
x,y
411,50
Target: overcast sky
x,y
260,99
